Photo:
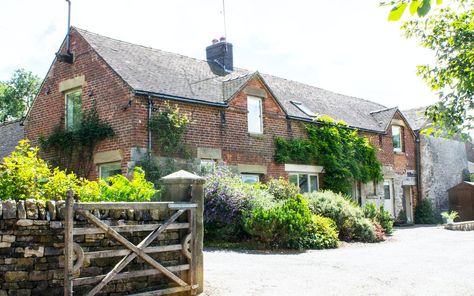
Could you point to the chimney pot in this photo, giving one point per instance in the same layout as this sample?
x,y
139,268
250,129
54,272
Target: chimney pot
x,y
222,39
214,41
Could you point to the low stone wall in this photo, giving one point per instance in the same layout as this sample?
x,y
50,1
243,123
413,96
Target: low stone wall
x,y
461,226
32,241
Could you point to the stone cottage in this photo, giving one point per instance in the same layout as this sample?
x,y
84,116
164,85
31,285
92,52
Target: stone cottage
x,y
236,114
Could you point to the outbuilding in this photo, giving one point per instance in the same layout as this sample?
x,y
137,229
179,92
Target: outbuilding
x,y
461,200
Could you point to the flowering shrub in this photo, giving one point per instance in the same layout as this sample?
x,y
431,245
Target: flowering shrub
x,y
226,200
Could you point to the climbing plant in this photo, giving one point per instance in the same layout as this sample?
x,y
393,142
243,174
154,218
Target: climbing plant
x,y
169,125
345,155
73,149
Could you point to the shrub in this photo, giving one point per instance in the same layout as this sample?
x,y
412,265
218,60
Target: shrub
x,y
282,224
425,213
282,189
119,188
347,215
379,232
380,216
23,175
226,200
322,233
401,217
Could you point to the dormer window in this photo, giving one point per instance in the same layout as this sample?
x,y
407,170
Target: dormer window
x,y
254,115
303,108
397,138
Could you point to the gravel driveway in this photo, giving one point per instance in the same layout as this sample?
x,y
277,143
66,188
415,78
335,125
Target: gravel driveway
x,y
414,261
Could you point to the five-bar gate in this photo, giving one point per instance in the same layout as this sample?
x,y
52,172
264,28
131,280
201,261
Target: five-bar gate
x,y
130,251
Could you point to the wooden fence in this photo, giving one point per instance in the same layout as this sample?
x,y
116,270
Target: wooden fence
x,y
185,211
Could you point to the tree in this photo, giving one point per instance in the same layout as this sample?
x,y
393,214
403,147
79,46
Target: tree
x,y
449,33
17,94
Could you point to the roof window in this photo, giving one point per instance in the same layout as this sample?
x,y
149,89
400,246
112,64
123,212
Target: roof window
x,y
303,108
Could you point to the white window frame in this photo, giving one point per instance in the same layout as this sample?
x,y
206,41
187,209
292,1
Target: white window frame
x,y
101,165
400,131
66,111
260,128
297,174
256,177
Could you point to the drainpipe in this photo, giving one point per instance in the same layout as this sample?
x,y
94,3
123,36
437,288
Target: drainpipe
x,y
150,107
418,163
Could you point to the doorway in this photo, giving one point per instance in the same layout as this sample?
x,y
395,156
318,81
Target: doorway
x,y
388,196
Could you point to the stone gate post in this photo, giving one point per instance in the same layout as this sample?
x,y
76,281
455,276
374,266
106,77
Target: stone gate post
x,y
183,186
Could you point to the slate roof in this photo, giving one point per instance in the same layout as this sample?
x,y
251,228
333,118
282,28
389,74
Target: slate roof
x,y
416,118
159,72
10,134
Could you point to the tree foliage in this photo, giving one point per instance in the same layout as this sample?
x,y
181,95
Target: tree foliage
x,y
345,155
17,94
449,33
419,7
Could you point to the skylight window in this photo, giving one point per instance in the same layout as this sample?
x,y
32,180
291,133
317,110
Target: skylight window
x,y
303,108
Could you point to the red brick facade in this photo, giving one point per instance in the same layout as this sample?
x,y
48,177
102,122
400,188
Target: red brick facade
x,y
207,130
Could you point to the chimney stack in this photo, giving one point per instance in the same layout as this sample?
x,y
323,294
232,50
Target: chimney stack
x,y
220,52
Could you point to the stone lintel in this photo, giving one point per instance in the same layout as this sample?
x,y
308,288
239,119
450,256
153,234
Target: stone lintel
x,y
252,169
71,83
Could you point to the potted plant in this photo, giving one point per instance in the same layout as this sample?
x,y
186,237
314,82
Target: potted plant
x,y
450,216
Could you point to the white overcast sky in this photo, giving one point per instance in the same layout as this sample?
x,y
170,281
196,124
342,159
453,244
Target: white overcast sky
x,y
345,46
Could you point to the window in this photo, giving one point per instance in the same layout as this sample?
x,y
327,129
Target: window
x,y
73,110
303,108
250,178
386,190
306,182
109,169
397,138
254,116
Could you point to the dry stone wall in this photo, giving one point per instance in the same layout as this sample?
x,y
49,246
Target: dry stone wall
x,y
32,241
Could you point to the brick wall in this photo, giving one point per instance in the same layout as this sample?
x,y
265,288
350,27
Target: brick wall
x,y
232,137
101,87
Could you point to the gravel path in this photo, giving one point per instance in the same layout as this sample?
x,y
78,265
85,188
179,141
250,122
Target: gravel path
x,y
414,261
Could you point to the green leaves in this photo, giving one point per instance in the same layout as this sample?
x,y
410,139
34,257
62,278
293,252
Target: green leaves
x,y
449,33
414,6
420,7
424,8
345,155
397,12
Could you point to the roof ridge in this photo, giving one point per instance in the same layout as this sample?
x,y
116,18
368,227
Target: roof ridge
x,y
146,47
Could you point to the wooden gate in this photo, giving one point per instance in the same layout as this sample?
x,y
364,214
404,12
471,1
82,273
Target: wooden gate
x,y
131,251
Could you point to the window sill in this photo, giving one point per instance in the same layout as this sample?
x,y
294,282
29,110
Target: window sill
x,y
398,152
257,136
